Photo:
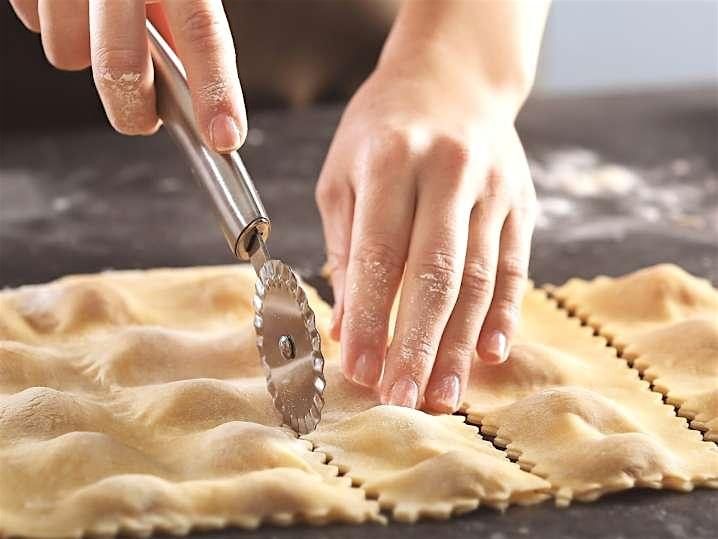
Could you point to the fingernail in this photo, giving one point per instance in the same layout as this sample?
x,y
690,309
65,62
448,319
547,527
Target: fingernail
x,y
224,133
404,392
365,371
447,394
496,347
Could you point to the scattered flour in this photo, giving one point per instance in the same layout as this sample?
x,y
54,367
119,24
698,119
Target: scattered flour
x,y
61,204
583,197
127,94
581,173
255,136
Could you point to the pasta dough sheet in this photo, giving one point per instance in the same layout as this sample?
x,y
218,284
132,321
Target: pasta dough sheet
x,y
415,464
135,402
574,413
665,322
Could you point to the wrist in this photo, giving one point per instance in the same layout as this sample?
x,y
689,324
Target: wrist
x,y
436,63
494,45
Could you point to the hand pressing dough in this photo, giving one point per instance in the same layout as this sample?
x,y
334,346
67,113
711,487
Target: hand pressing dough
x,y
135,401
665,321
574,413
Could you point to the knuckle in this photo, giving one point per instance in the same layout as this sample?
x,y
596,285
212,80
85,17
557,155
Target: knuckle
x,y
377,251
119,66
415,351
201,27
495,186
213,91
439,273
392,148
440,262
513,269
477,281
454,152
457,356
322,195
508,297
366,323
121,78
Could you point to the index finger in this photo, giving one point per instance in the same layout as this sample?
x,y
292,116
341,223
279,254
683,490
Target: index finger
x,y
204,44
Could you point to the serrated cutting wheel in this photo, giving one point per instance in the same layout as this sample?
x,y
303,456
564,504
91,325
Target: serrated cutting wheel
x,y
289,346
287,336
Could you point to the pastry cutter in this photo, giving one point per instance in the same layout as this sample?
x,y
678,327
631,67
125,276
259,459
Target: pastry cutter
x,y
287,337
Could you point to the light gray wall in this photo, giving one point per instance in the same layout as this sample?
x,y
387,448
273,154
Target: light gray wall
x,y
624,44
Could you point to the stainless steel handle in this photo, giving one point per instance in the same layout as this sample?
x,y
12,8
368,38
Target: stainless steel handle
x,y
224,177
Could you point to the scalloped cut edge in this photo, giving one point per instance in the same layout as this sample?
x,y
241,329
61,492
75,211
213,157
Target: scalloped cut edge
x,y
575,310
563,495
448,510
182,526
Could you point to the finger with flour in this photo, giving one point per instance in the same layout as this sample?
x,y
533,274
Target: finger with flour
x,y
121,65
205,46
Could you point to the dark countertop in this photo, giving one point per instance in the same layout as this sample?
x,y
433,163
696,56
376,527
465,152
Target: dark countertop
x,y
83,200
87,199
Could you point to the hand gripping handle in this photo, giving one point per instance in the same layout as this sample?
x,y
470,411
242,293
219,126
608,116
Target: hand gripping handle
x,y
223,176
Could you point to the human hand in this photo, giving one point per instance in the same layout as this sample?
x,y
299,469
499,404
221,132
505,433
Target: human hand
x,y
110,36
433,187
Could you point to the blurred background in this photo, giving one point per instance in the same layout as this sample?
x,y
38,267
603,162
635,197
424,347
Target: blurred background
x,y
621,133
294,52
613,45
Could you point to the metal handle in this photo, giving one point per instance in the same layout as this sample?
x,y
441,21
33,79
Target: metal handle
x,y
224,177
